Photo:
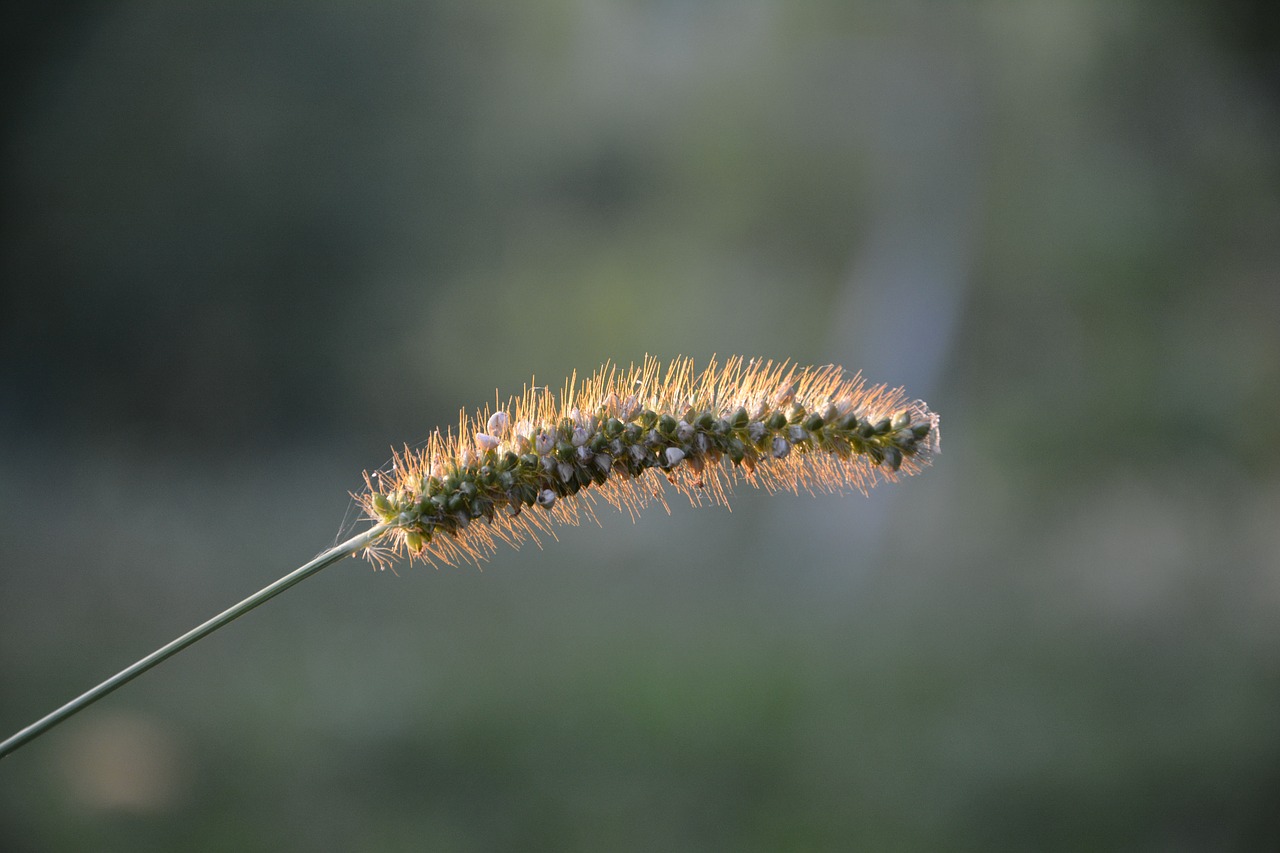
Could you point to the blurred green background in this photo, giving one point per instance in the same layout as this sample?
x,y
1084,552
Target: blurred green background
x,y
248,248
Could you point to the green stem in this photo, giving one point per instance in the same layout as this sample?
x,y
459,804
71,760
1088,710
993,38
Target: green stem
x,y
328,558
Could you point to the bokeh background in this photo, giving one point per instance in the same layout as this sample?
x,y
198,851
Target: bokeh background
x,y
248,248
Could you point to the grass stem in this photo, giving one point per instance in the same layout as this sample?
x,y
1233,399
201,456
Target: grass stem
x,y
328,558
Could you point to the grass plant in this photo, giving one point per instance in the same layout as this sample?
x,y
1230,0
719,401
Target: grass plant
x,y
517,472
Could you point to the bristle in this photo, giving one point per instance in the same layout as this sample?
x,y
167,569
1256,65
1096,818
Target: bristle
x,y
515,473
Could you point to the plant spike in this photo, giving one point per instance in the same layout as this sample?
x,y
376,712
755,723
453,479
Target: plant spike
x,y
511,474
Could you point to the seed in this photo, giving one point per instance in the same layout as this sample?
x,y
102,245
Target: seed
x,y
498,423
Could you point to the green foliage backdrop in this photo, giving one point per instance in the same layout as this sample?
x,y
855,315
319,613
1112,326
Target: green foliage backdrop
x,y
249,248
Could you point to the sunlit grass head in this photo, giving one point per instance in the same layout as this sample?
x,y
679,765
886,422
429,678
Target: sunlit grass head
x,y
512,473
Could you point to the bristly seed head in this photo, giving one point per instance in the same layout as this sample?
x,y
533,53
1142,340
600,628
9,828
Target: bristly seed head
x,y
776,426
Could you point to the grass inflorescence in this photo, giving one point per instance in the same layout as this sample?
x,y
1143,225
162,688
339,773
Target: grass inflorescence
x,y
511,473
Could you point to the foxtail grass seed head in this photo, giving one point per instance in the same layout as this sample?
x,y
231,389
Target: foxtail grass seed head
x,y
543,460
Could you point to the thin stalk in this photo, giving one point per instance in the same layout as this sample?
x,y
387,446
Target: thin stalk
x,y
328,558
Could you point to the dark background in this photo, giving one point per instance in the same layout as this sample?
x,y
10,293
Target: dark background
x,y
248,248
